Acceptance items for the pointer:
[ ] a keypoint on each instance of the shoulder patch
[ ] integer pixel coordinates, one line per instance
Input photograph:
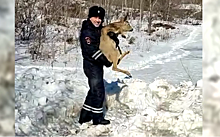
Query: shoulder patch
(88, 40)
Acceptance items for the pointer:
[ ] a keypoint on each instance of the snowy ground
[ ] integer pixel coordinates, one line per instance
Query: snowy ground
(154, 55)
(211, 65)
(48, 103)
(6, 68)
(48, 99)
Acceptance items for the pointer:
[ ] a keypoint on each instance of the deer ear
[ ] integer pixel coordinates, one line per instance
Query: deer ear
(121, 19)
(125, 18)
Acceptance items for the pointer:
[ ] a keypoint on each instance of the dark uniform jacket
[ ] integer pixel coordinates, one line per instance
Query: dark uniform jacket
(90, 41)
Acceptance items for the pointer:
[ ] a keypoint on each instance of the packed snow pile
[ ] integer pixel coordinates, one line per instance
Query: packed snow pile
(48, 102)
(157, 109)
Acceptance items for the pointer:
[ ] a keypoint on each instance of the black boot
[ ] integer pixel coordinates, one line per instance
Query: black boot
(98, 118)
(101, 122)
(85, 116)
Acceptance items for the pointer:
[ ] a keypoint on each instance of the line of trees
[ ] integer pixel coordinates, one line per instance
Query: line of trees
(161, 8)
(32, 16)
(27, 12)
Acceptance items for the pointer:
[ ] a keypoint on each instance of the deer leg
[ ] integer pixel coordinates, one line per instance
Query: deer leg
(122, 56)
(115, 68)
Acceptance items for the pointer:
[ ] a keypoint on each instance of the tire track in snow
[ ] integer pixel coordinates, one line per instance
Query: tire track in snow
(174, 54)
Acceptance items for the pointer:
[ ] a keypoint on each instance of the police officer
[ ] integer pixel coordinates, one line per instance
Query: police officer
(93, 62)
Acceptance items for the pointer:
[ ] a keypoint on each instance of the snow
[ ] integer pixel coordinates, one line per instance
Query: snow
(130, 114)
(189, 6)
(6, 68)
(49, 98)
(211, 63)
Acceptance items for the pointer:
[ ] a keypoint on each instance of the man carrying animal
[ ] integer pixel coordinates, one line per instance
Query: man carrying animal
(93, 62)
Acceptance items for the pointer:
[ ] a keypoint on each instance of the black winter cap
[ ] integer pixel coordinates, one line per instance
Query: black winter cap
(96, 11)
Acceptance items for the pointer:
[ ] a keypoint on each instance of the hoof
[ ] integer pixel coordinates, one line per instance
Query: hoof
(129, 76)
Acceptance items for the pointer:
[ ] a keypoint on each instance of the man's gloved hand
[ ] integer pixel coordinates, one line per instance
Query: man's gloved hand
(100, 58)
(108, 64)
(105, 61)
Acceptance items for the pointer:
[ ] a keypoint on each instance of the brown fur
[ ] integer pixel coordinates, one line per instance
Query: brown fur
(108, 46)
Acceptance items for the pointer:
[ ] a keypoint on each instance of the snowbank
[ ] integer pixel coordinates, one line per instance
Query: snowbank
(48, 102)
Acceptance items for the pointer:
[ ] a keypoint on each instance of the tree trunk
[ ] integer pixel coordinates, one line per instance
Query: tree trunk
(140, 20)
(149, 22)
(66, 32)
(141, 10)
(109, 11)
(168, 11)
(150, 19)
(132, 6)
(150, 16)
(110, 5)
(39, 36)
(122, 6)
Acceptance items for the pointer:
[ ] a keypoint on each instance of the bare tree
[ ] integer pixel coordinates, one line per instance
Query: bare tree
(126, 5)
(164, 7)
(132, 6)
(33, 16)
(141, 15)
(141, 10)
(24, 17)
(152, 4)
(122, 7)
